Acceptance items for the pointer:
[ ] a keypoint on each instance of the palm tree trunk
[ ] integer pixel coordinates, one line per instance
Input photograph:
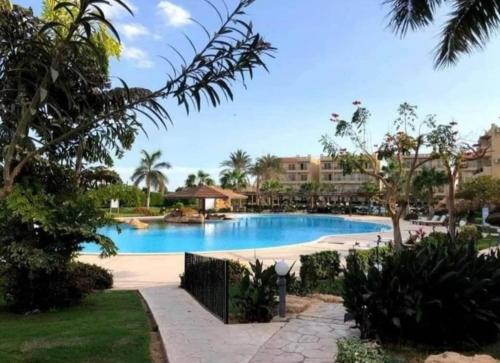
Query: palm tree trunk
(148, 193)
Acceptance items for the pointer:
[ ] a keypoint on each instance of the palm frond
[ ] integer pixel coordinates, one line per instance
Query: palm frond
(471, 25)
(411, 14)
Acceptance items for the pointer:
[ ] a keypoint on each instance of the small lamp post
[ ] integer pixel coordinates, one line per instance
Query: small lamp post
(281, 269)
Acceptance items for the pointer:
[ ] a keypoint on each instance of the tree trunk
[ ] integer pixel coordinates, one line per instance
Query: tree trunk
(452, 223)
(148, 193)
(398, 238)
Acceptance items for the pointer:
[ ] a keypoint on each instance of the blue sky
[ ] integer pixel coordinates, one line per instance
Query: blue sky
(329, 54)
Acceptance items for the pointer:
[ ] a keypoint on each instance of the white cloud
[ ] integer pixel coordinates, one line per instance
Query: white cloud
(114, 10)
(174, 14)
(138, 56)
(133, 30)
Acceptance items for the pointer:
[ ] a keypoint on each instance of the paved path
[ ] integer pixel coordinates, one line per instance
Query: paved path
(192, 335)
(309, 338)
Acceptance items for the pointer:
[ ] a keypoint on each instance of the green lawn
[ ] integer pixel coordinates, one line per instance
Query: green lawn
(487, 242)
(107, 327)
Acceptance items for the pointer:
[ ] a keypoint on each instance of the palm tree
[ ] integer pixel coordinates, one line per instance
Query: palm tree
(199, 179)
(238, 160)
(265, 168)
(425, 182)
(234, 179)
(271, 187)
(469, 25)
(150, 171)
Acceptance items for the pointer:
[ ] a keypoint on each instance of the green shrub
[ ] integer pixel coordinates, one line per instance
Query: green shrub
(469, 233)
(256, 298)
(156, 199)
(319, 266)
(370, 255)
(143, 211)
(92, 276)
(438, 293)
(128, 195)
(237, 271)
(27, 290)
(353, 350)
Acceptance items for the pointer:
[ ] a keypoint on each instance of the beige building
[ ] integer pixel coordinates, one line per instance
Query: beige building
(490, 163)
(440, 192)
(299, 170)
(331, 173)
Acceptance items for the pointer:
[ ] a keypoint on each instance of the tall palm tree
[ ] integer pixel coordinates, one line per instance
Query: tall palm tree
(200, 178)
(238, 160)
(469, 25)
(425, 184)
(234, 179)
(150, 171)
(266, 167)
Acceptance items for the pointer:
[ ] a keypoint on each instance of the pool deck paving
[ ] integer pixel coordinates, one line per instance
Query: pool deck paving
(193, 335)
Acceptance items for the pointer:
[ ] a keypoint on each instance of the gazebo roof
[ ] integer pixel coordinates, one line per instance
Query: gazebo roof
(205, 192)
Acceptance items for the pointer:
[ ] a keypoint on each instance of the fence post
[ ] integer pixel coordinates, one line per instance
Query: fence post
(226, 292)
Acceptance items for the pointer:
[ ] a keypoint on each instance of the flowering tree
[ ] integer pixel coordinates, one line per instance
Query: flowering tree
(453, 152)
(393, 163)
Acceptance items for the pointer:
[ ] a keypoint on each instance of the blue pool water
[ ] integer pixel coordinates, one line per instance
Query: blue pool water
(248, 232)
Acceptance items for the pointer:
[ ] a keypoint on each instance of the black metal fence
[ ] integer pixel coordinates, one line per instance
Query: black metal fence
(207, 280)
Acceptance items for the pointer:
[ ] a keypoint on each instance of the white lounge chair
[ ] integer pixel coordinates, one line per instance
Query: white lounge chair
(426, 220)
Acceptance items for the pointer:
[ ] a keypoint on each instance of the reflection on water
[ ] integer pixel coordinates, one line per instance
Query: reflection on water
(250, 231)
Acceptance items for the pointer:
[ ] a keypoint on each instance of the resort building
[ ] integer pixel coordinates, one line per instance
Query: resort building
(299, 170)
(440, 192)
(331, 173)
(490, 163)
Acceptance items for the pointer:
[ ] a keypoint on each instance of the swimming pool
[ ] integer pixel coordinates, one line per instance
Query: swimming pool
(246, 232)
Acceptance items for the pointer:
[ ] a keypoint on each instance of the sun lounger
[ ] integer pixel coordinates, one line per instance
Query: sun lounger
(423, 221)
(439, 222)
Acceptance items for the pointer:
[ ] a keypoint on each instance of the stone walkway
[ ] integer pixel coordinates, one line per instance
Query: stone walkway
(309, 338)
(191, 334)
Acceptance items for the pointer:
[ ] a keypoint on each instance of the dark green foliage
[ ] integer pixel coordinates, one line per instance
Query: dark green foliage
(41, 289)
(438, 293)
(256, 299)
(43, 223)
(92, 276)
(354, 350)
(411, 216)
(319, 266)
(494, 219)
(237, 271)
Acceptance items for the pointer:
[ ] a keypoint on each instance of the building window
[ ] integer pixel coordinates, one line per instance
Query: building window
(291, 177)
(291, 166)
(303, 177)
(327, 166)
(303, 166)
(329, 177)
